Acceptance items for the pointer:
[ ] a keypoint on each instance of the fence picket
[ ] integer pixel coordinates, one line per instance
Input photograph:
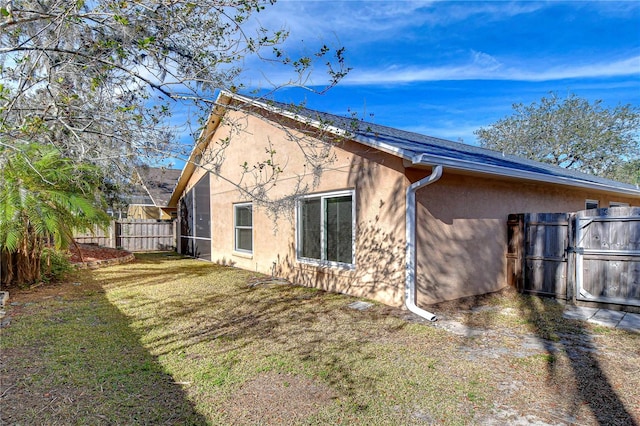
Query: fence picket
(590, 256)
(133, 235)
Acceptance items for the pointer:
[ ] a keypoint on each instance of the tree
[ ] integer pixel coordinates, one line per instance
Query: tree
(92, 85)
(41, 203)
(571, 133)
(100, 79)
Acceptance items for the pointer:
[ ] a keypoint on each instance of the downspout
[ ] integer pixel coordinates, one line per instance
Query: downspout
(410, 283)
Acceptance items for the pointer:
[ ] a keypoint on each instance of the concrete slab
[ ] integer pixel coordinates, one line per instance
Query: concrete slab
(630, 322)
(360, 305)
(609, 315)
(460, 329)
(579, 312)
(607, 318)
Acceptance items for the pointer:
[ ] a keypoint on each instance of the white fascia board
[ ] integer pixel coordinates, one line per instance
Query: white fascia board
(198, 147)
(398, 152)
(371, 142)
(429, 160)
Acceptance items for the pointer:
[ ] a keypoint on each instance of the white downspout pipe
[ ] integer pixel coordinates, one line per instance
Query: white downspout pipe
(410, 283)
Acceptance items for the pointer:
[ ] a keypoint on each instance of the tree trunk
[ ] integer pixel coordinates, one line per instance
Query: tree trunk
(22, 267)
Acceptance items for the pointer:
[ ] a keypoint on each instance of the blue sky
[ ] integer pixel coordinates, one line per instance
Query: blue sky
(448, 68)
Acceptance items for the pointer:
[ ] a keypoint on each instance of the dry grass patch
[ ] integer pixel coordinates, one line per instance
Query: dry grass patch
(169, 340)
(277, 398)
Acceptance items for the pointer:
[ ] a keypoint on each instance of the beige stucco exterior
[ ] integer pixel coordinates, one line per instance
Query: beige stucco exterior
(462, 232)
(138, 211)
(461, 218)
(377, 179)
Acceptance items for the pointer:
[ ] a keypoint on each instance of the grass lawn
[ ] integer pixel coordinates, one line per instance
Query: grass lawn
(168, 340)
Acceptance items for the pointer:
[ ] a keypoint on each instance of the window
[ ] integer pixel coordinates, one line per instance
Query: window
(591, 204)
(243, 225)
(325, 227)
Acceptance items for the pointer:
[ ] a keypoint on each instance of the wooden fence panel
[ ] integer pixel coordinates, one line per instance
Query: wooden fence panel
(515, 250)
(134, 235)
(611, 278)
(545, 248)
(607, 250)
(145, 235)
(590, 256)
(99, 236)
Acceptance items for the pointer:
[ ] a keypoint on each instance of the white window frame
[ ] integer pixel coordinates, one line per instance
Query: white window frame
(588, 201)
(236, 227)
(323, 262)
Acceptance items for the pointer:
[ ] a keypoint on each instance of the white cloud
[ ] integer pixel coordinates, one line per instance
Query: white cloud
(482, 66)
(364, 22)
(453, 131)
(398, 42)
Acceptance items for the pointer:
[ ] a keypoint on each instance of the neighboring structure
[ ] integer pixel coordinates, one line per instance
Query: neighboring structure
(151, 194)
(393, 216)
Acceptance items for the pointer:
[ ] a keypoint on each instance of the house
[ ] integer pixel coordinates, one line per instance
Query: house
(149, 199)
(386, 214)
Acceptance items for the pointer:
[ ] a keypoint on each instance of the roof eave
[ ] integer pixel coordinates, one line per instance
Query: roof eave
(417, 159)
(465, 165)
(224, 98)
(371, 142)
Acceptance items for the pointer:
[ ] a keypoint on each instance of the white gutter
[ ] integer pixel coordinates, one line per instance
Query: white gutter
(460, 164)
(453, 163)
(410, 283)
(372, 142)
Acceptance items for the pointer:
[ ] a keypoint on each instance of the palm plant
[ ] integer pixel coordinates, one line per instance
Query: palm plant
(44, 197)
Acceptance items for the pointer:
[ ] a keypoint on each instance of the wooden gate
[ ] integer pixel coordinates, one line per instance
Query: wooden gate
(537, 256)
(589, 256)
(134, 235)
(607, 252)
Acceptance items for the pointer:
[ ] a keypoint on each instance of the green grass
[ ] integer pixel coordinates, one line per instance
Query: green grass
(80, 362)
(169, 340)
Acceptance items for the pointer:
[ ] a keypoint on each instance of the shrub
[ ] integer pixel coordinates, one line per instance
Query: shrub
(55, 264)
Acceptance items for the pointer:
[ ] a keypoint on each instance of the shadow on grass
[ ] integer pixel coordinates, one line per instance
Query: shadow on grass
(570, 358)
(71, 357)
(227, 315)
(278, 317)
(593, 388)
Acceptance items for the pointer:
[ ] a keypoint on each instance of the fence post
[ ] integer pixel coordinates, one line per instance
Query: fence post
(112, 234)
(515, 250)
(571, 260)
(175, 234)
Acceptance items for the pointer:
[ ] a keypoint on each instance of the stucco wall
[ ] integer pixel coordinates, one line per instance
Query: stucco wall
(378, 181)
(137, 211)
(462, 232)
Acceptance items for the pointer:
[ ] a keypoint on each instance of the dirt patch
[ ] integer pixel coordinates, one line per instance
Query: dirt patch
(275, 399)
(93, 253)
(454, 307)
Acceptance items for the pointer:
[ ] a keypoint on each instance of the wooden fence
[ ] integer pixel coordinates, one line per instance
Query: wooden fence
(589, 256)
(134, 235)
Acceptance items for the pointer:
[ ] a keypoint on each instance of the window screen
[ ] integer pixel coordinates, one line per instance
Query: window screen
(195, 221)
(326, 228)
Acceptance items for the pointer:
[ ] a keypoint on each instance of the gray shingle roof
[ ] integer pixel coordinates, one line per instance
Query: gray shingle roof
(159, 183)
(411, 145)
